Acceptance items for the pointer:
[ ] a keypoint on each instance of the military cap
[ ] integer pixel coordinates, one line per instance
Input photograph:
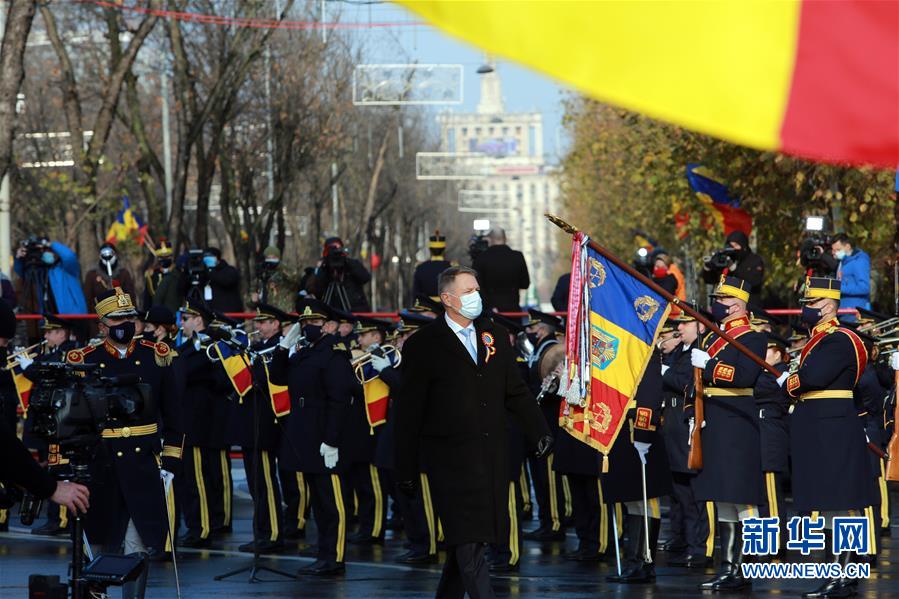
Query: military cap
(799, 333)
(310, 307)
(513, 325)
(410, 321)
(221, 318)
(817, 288)
(52, 322)
(424, 303)
(437, 241)
(870, 316)
(114, 303)
(365, 324)
(732, 287)
(158, 315)
(198, 308)
(760, 317)
(538, 317)
(270, 312)
(669, 326)
(164, 250)
(341, 317)
(775, 340)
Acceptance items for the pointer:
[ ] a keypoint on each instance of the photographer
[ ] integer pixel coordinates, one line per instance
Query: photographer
(273, 286)
(736, 260)
(51, 278)
(502, 272)
(222, 283)
(338, 279)
(854, 272)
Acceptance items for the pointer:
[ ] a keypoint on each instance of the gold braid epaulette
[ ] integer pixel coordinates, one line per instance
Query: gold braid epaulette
(162, 352)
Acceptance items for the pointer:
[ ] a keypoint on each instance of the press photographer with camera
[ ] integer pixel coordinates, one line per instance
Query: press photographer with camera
(50, 279)
(338, 279)
(738, 260)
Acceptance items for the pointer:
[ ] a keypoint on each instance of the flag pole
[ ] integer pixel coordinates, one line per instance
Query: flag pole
(665, 294)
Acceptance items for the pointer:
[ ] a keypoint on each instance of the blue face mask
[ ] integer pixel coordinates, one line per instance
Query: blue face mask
(471, 305)
(719, 311)
(48, 257)
(210, 261)
(840, 255)
(810, 316)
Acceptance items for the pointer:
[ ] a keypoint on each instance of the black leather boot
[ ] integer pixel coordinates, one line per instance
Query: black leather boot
(731, 576)
(836, 587)
(637, 570)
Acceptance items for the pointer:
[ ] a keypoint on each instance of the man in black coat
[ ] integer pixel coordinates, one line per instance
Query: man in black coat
(460, 382)
(222, 283)
(503, 272)
(744, 264)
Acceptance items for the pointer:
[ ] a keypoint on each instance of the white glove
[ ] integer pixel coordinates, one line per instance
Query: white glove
(292, 337)
(782, 378)
(642, 449)
(894, 361)
(665, 369)
(699, 358)
(25, 361)
(379, 363)
(330, 455)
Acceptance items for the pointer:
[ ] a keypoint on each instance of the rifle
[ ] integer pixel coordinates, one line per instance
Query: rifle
(892, 467)
(694, 457)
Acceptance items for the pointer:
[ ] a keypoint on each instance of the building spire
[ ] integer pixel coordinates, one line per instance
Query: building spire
(491, 91)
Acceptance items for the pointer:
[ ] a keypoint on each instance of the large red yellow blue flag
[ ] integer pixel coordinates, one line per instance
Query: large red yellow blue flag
(126, 225)
(813, 78)
(614, 320)
(279, 394)
(236, 367)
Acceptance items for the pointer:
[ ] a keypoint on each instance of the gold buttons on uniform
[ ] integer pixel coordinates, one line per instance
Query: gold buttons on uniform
(126, 432)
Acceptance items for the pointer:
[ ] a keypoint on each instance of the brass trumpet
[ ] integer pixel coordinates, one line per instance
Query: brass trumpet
(32, 351)
(363, 359)
(879, 326)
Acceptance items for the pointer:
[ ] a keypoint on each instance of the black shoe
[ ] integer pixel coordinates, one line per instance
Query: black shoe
(544, 535)
(51, 529)
(358, 538)
(4, 526)
(193, 541)
(412, 558)
(262, 546)
(833, 588)
(583, 555)
(294, 534)
(636, 573)
(322, 568)
(673, 546)
(678, 560)
(699, 562)
(731, 579)
(394, 523)
(158, 556)
(503, 568)
(886, 532)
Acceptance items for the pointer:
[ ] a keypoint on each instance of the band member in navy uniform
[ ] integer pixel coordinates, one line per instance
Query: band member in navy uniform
(320, 382)
(828, 450)
(128, 501)
(691, 522)
(159, 325)
(259, 436)
(640, 443)
(731, 446)
(548, 486)
(424, 280)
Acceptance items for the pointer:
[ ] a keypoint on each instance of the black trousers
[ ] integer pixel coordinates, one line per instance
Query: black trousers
(549, 491)
(591, 518)
(364, 480)
(465, 571)
(691, 520)
(419, 521)
(328, 492)
(508, 550)
(201, 489)
(266, 493)
(295, 490)
(221, 489)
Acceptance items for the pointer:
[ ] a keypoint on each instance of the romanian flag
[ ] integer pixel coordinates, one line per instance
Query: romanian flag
(126, 225)
(714, 194)
(279, 394)
(816, 79)
(377, 398)
(236, 367)
(609, 343)
(23, 386)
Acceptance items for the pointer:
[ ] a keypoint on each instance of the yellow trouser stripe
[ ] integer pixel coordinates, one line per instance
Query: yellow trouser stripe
(439, 530)
(619, 517)
(201, 489)
(355, 503)
(872, 535)
(269, 495)
(655, 510)
(771, 486)
(4, 514)
(226, 481)
(170, 512)
(603, 520)
(525, 491)
(379, 501)
(63, 516)
(566, 493)
(301, 509)
(341, 516)
(884, 498)
(553, 498)
(513, 526)
(429, 513)
(710, 540)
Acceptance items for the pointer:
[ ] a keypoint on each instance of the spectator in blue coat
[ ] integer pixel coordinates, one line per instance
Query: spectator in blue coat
(51, 278)
(854, 273)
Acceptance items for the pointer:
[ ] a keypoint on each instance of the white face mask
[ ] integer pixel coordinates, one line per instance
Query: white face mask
(471, 305)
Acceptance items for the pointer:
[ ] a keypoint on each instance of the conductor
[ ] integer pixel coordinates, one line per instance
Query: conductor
(462, 381)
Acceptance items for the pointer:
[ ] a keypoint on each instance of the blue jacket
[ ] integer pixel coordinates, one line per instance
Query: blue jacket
(65, 281)
(855, 281)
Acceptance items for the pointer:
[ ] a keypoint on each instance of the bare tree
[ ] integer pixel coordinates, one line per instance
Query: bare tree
(12, 72)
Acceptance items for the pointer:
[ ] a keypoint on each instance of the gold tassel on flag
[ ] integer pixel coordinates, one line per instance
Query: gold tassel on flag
(605, 463)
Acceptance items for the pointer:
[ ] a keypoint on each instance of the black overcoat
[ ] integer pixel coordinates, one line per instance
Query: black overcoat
(453, 413)
(677, 388)
(773, 404)
(242, 412)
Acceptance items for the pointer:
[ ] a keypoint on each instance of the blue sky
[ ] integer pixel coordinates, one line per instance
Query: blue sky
(523, 90)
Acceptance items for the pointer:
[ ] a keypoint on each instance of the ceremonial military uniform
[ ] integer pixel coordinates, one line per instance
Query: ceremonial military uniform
(424, 279)
(125, 480)
(319, 380)
(774, 434)
(870, 397)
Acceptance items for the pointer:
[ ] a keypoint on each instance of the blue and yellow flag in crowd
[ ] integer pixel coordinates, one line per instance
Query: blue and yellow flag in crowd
(127, 224)
(612, 330)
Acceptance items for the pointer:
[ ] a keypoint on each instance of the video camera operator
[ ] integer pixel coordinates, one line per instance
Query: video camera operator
(816, 258)
(502, 272)
(273, 287)
(338, 279)
(854, 272)
(222, 289)
(736, 259)
(51, 279)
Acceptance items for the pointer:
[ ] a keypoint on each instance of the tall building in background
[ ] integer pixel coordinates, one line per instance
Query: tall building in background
(519, 186)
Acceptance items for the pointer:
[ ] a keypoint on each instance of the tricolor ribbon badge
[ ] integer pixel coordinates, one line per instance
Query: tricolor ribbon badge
(487, 340)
